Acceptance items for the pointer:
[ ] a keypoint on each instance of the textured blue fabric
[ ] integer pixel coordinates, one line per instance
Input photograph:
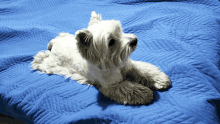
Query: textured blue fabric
(181, 37)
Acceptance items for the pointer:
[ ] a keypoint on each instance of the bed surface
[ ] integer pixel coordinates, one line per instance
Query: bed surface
(181, 37)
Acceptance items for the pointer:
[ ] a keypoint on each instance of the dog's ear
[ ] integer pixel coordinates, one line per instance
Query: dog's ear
(84, 37)
(95, 18)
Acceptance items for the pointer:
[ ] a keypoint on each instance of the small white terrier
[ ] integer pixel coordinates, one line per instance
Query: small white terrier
(100, 55)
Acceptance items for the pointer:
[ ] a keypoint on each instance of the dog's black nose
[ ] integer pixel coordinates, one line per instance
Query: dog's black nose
(134, 42)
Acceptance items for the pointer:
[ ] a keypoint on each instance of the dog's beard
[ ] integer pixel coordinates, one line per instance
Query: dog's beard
(117, 59)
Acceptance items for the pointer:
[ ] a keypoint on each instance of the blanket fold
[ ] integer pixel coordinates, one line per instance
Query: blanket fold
(181, 37)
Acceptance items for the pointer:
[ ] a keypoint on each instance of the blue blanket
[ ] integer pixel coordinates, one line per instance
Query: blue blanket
(181, 37)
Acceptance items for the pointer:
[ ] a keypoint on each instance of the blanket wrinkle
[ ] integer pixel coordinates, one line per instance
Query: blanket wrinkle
(181, 37)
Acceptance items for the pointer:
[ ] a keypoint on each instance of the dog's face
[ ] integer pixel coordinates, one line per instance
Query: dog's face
(104, 44)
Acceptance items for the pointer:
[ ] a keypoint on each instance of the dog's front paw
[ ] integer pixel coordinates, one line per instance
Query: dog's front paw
(128, 92)
(162, 81)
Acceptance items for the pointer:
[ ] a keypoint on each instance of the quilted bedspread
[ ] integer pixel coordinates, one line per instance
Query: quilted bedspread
(181, 37)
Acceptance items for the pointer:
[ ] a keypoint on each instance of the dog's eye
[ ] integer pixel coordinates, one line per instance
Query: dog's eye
(111, 42)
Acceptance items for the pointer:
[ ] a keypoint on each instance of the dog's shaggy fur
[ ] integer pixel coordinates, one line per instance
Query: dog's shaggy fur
(99, 55)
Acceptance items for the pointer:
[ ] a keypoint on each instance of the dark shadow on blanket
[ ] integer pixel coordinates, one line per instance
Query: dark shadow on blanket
(13, 110)
(219, 59)
(32, 71)
(93, 121)
(216, 104)
(104, 102)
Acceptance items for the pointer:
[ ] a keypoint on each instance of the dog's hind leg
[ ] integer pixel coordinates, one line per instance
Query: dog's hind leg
(39, 59)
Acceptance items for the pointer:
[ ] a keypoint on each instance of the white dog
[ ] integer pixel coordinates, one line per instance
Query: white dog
(100, 55)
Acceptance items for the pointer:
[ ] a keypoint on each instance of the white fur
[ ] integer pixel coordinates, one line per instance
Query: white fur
(65, 57)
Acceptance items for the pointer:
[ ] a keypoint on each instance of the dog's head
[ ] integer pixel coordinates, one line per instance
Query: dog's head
(104, 44)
